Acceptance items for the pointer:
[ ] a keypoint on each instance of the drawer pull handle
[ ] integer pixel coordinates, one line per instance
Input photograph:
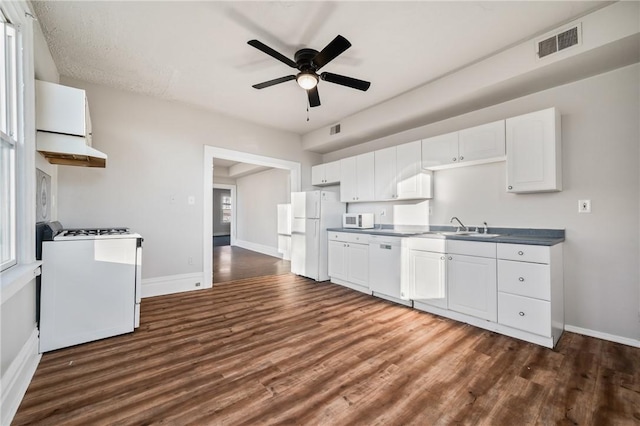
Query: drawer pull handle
(521, 279)
(521, 253)
(521, 313)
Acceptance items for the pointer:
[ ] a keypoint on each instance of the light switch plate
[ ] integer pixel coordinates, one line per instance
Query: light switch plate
(584, 206)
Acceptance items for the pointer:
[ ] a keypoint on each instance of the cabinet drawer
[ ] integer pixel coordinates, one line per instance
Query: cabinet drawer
(524, 253)
(525, 313)
(348, 237)
(524, 279)
(425, 244)
(471, 248)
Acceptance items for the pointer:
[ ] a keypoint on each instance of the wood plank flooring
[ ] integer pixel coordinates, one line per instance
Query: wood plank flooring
(234, 263)
(286, 350)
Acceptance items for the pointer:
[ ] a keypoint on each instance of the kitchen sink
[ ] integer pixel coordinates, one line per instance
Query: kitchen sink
(462, 234)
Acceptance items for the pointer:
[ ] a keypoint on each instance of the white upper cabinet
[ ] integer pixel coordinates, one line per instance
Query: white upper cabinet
(482, 142)
(440, 150)
(534, 162)
(357, 178)
(385, 173)
(476, 145)
(399, 175)
(326, 174)
(62, 109)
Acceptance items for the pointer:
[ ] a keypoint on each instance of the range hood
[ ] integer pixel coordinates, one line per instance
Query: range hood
(69, 150)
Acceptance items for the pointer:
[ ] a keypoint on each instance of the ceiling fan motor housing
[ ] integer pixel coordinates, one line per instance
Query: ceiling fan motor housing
(304, 59)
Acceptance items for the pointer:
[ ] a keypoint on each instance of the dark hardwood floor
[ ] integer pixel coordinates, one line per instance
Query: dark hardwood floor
(286, 350)
(234, 263)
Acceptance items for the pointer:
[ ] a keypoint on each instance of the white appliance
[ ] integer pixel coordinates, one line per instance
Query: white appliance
(284, 230)
(357, 220)
(385, 268)
(90, 286)
(312, 213)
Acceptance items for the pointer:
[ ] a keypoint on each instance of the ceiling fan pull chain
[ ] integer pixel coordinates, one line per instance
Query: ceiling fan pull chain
(307, 110)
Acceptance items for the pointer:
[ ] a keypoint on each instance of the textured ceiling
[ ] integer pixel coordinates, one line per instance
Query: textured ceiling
(197, 52)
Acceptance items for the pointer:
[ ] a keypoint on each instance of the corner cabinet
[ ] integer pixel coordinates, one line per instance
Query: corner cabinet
(399, 175)
(357, 178)
(534, 161)
(326, 174)
(475, 145)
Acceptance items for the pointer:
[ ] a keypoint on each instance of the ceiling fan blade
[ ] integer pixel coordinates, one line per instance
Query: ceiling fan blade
(331, 51)
(314, 97)
(269, 51)
(274, 82)
(354, 83)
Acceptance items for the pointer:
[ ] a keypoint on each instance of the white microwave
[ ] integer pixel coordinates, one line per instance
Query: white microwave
(357, 220)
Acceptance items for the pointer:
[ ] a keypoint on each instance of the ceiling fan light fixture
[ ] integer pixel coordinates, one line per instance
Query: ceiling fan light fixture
(307, 80)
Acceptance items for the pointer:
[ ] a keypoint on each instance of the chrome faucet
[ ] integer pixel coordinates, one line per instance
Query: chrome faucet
(461, 227)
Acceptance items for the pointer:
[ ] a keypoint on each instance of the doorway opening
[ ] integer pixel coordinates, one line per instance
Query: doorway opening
(210, 153)
(223, 222)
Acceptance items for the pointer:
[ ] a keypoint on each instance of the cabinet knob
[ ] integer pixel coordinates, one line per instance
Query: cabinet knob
(450, 258)
(510, 187)
(442, 258)
(521, 313)
(454, 159)
(521, 253)
(461, 158)
(521, 279)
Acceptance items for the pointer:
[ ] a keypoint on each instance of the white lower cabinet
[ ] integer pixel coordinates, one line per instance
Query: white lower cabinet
(348, 260)
(472, 286)
(512, 289)
(471, 278)
(530, 292)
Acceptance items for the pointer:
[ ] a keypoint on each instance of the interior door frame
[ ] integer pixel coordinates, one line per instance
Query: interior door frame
(211, 152)
(232, 228)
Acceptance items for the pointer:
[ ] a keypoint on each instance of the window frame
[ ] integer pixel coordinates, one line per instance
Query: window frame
(11, 93)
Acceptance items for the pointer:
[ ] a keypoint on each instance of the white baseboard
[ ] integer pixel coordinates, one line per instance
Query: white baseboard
(174, 284)
(604, 336)
(16, 379)
(269, 251)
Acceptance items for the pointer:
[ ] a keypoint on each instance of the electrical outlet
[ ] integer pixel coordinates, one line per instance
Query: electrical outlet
(197, 284)
(191, 200)
(584, 206)
(172, 199)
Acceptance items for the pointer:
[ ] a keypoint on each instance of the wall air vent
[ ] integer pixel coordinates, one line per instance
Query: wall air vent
(334, 130)
(559, 41)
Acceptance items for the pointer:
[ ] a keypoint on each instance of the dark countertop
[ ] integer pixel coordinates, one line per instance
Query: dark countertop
(530, 236)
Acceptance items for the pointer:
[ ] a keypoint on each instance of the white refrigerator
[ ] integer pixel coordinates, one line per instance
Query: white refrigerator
(312, 212)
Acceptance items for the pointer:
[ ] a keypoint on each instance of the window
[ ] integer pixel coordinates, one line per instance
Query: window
(226, 208)
(9, 75)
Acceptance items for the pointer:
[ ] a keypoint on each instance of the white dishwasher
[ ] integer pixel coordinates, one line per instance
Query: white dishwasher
(385, 268)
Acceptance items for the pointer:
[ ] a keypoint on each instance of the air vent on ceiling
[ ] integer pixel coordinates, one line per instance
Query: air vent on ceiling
(334, 130)
(559, 41)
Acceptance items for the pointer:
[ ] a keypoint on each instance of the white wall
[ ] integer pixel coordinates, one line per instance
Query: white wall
(258, 196)
(155, 151)
(601, 159)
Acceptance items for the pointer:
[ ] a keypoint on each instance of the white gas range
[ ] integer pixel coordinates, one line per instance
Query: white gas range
(90, 287)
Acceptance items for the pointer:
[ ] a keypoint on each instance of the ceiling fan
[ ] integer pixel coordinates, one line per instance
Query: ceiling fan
(308, 62)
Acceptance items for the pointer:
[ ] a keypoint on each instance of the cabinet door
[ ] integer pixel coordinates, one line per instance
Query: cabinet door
(412, 183)
(317, 174)
(440, 150)
(427, 277)
(472, 286)
(337, 260)
(348, 180)
(385, 174)
(482, 142)
(533, 152)
(365, 170)
(358, 263)
(332, 172)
